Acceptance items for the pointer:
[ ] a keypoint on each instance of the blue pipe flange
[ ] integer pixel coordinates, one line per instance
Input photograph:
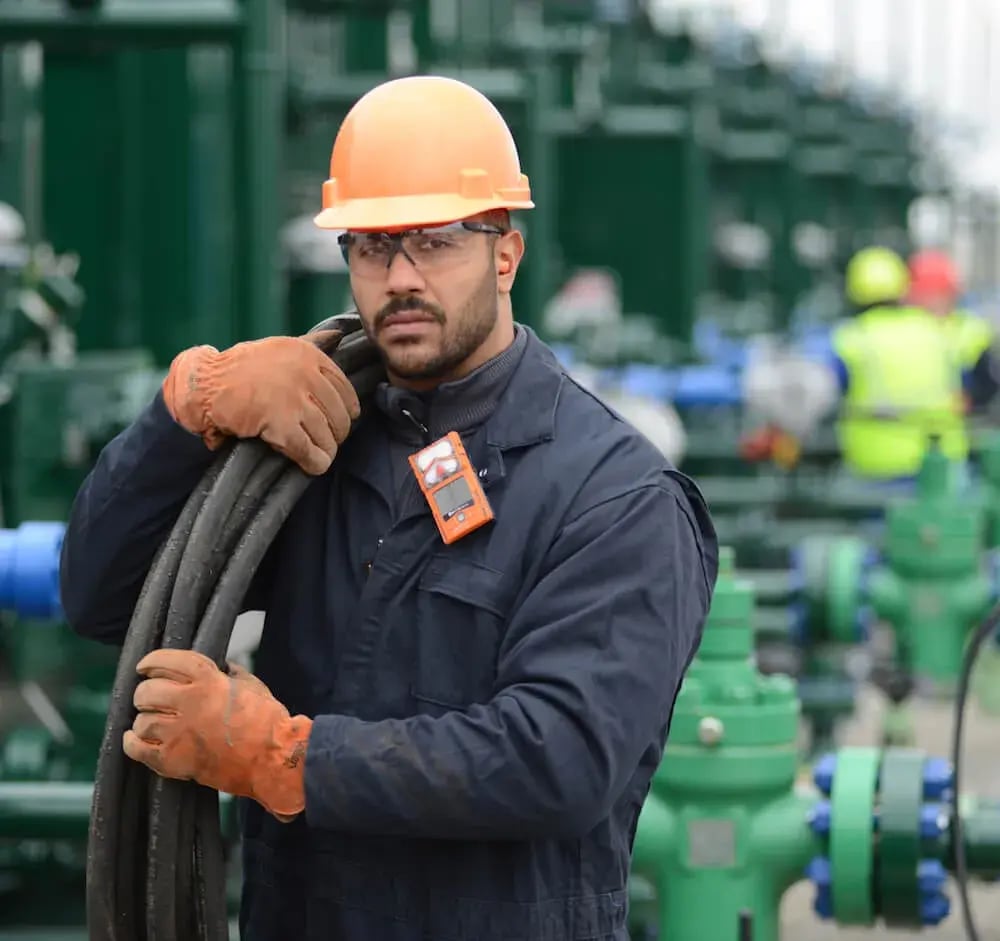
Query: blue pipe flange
(29, 569)
(798, 608)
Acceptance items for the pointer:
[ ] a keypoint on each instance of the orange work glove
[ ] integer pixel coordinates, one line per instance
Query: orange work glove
(223, 730)
(285, 390)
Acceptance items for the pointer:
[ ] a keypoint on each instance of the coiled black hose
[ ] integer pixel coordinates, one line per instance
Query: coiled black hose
(155, 862)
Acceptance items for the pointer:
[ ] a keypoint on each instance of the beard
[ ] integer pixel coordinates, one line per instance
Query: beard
(456, 338)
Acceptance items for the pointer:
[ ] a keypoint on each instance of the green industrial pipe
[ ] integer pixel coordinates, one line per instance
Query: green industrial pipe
(55, 810)
(981, 829)
(261, 74)
(126, 22)
(45, 810)
(541, 146)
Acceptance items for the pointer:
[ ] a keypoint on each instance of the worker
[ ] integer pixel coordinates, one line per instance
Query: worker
(900, 385)
(935, 286)
(442, 740)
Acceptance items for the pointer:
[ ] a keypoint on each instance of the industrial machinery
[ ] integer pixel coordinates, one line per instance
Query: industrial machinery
(727, 829)
(221, 110)
(935, 580)
(909, 590)
(44, 797)
(195, 133)
(58, 407)
(931, 577)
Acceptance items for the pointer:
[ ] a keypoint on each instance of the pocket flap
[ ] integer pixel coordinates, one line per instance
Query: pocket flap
(468, 581)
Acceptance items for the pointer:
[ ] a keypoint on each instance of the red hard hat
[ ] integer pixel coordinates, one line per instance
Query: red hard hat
(932, 273)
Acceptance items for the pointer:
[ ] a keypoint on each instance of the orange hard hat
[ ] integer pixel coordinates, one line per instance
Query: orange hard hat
(932, 273)
(423, 150)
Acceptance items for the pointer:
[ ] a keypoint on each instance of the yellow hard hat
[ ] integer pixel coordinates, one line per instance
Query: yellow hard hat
(875, 275)
(422, 150)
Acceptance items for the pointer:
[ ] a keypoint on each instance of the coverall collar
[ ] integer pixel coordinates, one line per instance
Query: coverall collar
(523, 416)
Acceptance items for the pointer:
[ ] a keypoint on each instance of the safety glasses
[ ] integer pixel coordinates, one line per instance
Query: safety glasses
(370, 254)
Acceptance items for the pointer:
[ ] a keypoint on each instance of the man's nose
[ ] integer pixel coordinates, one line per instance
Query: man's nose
(403, 277)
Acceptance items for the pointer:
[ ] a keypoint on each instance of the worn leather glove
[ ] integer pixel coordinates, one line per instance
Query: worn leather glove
(285, 390)
(223, 730)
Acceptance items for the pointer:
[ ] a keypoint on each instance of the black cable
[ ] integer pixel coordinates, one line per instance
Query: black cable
(236, 495)
(114, 860)
(213, 638)
(984, 632)
(169, 831)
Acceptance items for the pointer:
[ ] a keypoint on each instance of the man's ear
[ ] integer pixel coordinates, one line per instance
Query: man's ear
(507, 254)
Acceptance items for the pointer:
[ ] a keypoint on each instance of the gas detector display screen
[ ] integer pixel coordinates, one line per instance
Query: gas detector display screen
(453, 497)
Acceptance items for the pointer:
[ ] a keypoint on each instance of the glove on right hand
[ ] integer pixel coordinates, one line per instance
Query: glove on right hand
(284, 390)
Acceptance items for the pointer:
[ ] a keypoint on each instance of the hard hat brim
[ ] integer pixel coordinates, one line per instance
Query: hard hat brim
(409, 212)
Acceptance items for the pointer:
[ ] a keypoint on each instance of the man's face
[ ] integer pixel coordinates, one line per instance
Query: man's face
(429, 300)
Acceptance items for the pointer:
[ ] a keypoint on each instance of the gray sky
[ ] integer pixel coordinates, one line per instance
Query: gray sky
(942, 55)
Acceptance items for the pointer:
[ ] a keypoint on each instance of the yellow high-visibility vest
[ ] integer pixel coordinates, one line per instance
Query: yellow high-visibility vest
(904, 385)
(970, 336)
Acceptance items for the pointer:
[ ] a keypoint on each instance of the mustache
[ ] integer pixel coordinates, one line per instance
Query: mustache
(400, 304)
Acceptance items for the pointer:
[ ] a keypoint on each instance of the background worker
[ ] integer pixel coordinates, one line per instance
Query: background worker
(445, 740)
(935, 287)
(899, 383)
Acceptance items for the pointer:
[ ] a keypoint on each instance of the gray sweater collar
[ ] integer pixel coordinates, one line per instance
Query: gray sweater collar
(462, 405)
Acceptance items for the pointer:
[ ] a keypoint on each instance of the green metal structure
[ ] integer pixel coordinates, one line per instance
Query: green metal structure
(181, 145)
(723, 830)
(58, 407)
(930, 576)
(728, 828)
(936, 581)
(150, 133)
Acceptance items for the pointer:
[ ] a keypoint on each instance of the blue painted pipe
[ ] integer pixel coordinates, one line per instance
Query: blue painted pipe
(29, 569)
(689, 386)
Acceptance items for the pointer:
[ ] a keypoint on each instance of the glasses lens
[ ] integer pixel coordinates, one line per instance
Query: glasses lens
(371, 253)
(368, 250)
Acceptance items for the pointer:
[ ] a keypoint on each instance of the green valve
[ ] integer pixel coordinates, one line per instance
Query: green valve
(935, 581)
(851, 853)
(724, 829)
(900, 800)
(989, 460)
(727, 828)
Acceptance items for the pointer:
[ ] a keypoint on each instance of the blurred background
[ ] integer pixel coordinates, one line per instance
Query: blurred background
(751, 218)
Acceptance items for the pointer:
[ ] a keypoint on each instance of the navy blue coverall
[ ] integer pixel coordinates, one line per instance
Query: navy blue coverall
(488, 714)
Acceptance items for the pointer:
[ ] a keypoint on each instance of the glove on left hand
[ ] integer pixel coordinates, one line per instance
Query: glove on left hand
(223, 730)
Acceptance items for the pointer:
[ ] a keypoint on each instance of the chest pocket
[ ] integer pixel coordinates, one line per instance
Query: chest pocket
(462, 610)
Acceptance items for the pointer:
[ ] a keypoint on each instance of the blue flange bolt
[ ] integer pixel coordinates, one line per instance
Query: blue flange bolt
(886, 828)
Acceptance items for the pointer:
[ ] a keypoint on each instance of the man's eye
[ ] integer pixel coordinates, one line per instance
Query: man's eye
(433, 244)
(372, 249)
